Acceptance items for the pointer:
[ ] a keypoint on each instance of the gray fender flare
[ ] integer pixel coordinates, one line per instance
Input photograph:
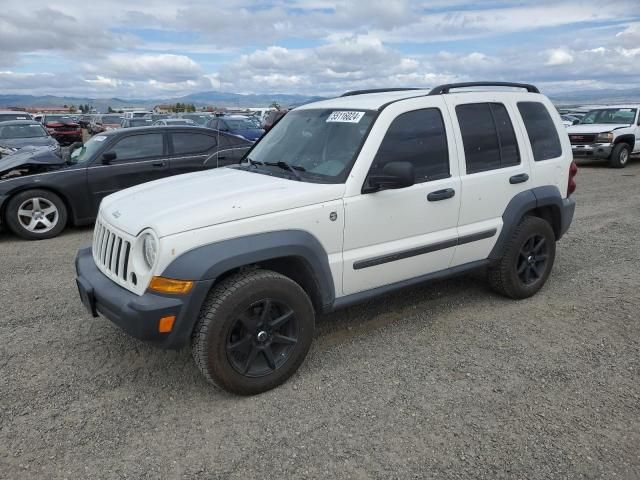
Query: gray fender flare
(524, 202)
(208, 262)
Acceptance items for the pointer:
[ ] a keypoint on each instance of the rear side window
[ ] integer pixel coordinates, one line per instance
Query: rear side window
(186, 143)
(139, 146)
(417, 137)
(488, 137)
(541, 130)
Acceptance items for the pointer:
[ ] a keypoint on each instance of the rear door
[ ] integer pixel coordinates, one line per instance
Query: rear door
(191, 150)
(493, 169)
(139, 158)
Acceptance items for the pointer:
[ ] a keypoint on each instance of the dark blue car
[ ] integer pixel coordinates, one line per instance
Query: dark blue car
(237, 125)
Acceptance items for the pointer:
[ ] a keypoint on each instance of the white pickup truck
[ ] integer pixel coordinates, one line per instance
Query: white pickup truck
(611, 133)
(343, 200)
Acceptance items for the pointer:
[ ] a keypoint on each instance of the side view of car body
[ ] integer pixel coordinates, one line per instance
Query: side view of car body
(40, 192)
(6, 115)
(103, 123)
(236, 125)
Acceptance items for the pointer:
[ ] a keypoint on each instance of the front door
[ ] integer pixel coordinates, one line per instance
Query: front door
(139, 158)
(399, 234)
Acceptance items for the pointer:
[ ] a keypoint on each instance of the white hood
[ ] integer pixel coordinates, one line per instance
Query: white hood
(186, 202)
(595, 127)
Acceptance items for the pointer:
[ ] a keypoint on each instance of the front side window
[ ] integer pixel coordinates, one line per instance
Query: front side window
(320, 144)
(186, 143)
(542, 133)
(417, 137)
(139, 147)
(488, 137)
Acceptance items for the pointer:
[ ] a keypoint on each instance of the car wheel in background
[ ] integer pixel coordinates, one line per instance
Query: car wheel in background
(620, 156)
(254, 331)
(36, 214)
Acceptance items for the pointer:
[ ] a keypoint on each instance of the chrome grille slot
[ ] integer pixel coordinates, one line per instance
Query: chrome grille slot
(111, 253)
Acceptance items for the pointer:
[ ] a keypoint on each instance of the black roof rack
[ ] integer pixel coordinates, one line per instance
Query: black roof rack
(376, 90)
(439, 90)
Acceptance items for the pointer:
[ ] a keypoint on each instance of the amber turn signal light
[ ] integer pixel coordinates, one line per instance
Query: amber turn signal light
(165, 325)
(169, 285)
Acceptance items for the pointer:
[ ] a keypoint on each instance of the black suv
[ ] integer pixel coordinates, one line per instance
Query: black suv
(40, 192)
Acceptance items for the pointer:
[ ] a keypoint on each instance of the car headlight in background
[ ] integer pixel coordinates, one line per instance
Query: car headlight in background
(149, 249)
(605, 137)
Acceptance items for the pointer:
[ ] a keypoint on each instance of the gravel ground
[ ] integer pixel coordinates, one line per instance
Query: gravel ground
(446, 380)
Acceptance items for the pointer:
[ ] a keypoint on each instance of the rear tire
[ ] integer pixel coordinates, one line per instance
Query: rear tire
(254, 331)
(527, 261)
(36, 214)
(619, 156)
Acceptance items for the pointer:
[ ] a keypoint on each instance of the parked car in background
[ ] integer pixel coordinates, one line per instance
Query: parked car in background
(136, 122)
(236, 125)
(198, 118)
(17, 134)
(174, 121)
(103, 123)
(272, 118)
(568, 120)
(40, 192)
(611, 133)
(85, 120)
(137, 114)
(158, 116)
(12, 115)
(63, 128)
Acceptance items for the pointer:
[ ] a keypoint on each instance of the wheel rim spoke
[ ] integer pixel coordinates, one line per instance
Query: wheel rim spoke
(277, 338)
(240, 344)
(250, 358)
(268, 355)
(36, 203)
(538, 246)
(25, 213)
(281, 320)
(266, 310)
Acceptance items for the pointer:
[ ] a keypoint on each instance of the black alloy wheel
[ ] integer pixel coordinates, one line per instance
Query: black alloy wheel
(262, 338)
(532, 260)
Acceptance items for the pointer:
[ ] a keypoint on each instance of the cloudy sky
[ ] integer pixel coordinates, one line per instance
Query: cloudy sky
(163, 48)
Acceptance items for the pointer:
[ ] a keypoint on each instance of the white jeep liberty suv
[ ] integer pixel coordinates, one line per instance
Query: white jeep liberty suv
(343, 200)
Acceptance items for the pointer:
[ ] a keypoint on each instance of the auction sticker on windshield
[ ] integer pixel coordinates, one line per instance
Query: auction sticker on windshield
(345, 117)
(100, 138)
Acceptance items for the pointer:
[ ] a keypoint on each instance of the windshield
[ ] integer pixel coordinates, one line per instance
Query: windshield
(610, 115)
(239, 123)
(322, 142)
(22, 131)
(4, 117)
(65, 119)
(86, 152)
(111, 119)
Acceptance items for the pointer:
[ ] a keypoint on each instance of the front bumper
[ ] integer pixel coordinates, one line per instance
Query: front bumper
(138, 315)
(593, 150)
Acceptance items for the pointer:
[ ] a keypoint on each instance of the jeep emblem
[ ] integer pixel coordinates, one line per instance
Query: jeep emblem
(116, 214)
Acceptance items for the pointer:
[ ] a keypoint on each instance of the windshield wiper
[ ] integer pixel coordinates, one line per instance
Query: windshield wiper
(294, 169)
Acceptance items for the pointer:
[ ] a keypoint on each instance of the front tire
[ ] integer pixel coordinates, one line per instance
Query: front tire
(36, 214)
(527, 260)
(254, 331)
(620, 156)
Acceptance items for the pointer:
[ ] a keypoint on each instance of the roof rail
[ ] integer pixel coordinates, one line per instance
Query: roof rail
(376, 90)
(441, 89)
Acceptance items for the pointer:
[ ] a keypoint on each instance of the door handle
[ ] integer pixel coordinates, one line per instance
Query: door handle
(521, 178)
(222, 157)
(441, 194)
(158, 164)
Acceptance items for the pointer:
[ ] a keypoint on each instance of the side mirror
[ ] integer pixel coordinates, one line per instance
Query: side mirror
(394, 175)
(108, 157)
(575, 122)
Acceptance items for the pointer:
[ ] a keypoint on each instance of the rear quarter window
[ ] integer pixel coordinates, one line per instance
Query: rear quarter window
(543, 136)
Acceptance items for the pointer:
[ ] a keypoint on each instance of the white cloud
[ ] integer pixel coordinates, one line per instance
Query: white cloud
(161, 67)
(559, 56)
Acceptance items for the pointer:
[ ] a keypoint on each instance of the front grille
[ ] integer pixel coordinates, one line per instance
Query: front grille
(581, 138)
(111, 252)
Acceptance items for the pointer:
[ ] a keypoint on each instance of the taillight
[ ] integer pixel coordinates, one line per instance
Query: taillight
(573, 170)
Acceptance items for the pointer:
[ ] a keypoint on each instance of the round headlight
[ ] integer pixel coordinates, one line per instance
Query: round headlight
(149, 249)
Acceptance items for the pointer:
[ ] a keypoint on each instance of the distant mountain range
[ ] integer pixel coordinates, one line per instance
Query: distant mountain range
(237, 100)
(201, 99)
